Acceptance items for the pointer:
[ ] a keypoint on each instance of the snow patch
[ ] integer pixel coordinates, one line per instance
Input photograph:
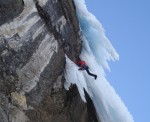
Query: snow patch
(74, 76)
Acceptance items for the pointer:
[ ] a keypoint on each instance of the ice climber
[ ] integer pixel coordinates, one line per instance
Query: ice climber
(83, 66)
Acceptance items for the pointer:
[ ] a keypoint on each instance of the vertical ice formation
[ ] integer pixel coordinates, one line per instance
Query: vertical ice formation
(96, 51)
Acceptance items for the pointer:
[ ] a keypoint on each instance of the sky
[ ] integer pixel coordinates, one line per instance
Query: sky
(127, 24)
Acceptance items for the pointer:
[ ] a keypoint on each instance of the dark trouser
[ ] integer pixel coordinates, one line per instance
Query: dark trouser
(87, 69)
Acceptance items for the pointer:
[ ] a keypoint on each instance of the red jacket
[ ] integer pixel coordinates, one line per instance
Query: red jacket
(81, 63)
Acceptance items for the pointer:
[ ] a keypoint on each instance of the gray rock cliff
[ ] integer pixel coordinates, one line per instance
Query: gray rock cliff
(35, 35)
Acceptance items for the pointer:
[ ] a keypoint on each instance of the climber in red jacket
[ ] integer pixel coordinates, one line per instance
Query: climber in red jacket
(83, 66)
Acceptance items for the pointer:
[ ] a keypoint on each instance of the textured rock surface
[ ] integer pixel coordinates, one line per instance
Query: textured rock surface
(9, 9)
(32, 49)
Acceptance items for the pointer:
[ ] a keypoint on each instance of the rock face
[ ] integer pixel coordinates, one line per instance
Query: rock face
(35, 35)
(9, 9)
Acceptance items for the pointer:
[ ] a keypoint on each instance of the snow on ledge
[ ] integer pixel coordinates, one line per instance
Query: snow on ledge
(74, 76)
